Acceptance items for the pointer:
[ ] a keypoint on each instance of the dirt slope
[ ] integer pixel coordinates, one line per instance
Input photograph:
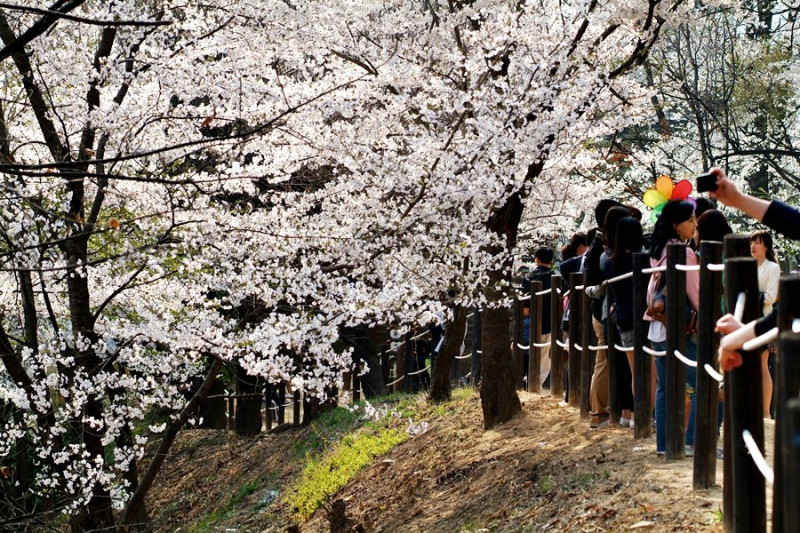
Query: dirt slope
(542, 471)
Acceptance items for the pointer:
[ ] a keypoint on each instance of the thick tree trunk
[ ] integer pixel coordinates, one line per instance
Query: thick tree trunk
(248, 403)
(214, 408)
(454, 337)
(499, 399)
(367, 351)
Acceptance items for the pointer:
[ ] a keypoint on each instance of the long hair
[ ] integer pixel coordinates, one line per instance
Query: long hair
(674, 212)
(613, 216)
(766, 239)
(713, 226)
(628, 240)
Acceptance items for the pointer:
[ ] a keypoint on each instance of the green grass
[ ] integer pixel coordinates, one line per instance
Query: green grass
(326, 430)
(323, 477)
(217, 516)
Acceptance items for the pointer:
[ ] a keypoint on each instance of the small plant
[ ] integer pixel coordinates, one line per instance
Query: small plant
(323, 477)
(545, 484)
(718, 518)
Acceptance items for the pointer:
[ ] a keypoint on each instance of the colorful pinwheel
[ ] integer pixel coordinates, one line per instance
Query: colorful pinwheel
(665, 191)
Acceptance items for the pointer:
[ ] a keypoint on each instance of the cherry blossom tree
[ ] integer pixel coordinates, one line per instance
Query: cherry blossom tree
(188, 184)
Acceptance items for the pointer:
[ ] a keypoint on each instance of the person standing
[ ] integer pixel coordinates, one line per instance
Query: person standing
(543, 258)
(676, 224)
(769, 274)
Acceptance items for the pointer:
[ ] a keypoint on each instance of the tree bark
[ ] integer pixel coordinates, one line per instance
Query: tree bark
(248, 404)
(454, 337)
(499, 399)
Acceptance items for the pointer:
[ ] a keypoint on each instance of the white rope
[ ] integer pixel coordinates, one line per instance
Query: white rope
(738, 311)
(716, 267)
(565, 294)
(578, 347)
(685, 360)
(521, 347)
(420, 335)
(653, 352)
(598, 348)
(545, 291)
(761, 340)
(478, 351)
(688, 268)
(464, 356)
(579, 287)
(540, 344)
(619, 278)
(523, 297)
(758, 459)
(590, 288)
(622, 348)
(796, 325)
(563, 344)
(398, 380)
(653, 270)
(713, 373)
(419, 371)
(559, 291)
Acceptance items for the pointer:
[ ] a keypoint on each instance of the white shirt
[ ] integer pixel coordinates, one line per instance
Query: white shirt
(769, 274)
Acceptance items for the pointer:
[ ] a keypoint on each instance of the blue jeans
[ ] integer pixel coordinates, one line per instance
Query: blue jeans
(661, 393)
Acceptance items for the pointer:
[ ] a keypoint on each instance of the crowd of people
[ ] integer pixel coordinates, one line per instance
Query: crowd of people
(606, 251)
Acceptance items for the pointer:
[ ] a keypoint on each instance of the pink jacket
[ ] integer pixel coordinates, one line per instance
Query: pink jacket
(692, 278)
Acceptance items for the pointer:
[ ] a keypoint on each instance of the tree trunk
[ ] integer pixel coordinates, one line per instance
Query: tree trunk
(248, 403)
(367, 350)
(213, 408)
(499, 399)
(453, 339)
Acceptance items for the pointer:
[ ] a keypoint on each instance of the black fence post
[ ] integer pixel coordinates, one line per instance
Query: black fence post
(707, 392)
(268, 401)
(676, 340)
(475, 375)
(743, 392)
(296, 407)
(282, 403)
(642, 368)
(787, 385)
(587, 355)
(556, 354)
(735, 245)
(517, 341)
(791, 455)
(575, 321)
(408, 361)
(535, 354)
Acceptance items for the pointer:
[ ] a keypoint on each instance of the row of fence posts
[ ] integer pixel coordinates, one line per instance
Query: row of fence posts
(744, 489)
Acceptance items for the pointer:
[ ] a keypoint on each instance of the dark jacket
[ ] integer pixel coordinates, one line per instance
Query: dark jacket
(593, 274)
(784, 219)
(543, 274)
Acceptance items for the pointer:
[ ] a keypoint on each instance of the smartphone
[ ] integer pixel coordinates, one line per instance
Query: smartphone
(706, 182)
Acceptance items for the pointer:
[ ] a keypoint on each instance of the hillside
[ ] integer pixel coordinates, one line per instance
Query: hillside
(543, 470)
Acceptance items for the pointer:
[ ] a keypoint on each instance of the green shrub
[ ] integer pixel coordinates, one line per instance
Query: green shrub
(324, 476)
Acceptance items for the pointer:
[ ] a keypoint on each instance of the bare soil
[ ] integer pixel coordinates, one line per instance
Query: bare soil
(544, 470)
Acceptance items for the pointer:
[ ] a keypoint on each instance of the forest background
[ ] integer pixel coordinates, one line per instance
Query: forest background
(196, 192)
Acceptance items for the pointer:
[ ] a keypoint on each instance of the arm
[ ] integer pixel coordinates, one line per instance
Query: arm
(728, 194)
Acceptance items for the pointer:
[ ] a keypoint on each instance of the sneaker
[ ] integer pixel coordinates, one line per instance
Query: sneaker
(689, 450)
(625, 422)
(599, 425)
(660, 452)
(632, 424)
(720, 454)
